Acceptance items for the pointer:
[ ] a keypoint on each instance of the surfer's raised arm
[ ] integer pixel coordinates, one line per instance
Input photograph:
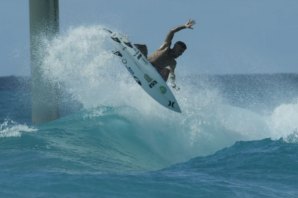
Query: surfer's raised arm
(170, 35)
(164, 59)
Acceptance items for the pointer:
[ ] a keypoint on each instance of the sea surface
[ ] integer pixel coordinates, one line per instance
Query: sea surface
(237, 135)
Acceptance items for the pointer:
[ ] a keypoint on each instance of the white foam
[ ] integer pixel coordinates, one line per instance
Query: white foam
(283, 121)
(81, 60)
(10, 128)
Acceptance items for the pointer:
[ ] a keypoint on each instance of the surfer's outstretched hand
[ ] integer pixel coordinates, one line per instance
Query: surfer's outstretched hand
(190, 23)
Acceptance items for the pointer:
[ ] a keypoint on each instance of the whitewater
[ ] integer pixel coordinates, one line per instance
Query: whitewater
(236, 136)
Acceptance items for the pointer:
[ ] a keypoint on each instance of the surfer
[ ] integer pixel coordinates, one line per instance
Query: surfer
(164, 58)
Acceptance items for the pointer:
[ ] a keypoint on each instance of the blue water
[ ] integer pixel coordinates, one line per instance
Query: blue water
(237, 135)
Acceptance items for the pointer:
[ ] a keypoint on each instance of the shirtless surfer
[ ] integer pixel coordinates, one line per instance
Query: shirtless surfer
(164, 59)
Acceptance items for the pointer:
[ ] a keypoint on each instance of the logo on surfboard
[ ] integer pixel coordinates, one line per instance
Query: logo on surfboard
(162, 89)
(137, 80)
(171, 104)
(151, 82)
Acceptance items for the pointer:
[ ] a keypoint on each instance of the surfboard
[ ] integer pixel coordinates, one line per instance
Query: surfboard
(143, 71)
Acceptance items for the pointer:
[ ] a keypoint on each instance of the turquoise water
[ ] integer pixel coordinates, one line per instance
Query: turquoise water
(121, 151)
(236, 136)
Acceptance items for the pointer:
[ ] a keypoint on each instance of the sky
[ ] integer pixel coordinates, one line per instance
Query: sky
(230, 37)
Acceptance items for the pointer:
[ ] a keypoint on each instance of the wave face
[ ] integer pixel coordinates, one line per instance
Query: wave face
(236, 135)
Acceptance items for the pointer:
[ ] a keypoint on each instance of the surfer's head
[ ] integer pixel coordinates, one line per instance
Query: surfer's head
(179, 48)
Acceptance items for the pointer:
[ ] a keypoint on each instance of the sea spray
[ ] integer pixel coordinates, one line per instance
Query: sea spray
(82, 62)
(283, 121)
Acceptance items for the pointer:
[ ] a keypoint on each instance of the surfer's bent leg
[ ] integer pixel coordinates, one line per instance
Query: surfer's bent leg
(143, 49)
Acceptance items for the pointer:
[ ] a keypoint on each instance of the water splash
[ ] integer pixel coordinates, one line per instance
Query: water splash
(10, 128)
(284, 121)
(81, 62)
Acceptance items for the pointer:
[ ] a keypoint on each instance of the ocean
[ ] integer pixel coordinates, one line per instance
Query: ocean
(237, 134)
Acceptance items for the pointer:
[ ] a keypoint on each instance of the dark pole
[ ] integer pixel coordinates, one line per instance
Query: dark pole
(44, 22)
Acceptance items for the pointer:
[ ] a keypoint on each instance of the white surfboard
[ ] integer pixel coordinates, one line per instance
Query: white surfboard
(143, 72)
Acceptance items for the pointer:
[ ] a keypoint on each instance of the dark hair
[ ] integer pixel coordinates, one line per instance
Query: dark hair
(182, 44)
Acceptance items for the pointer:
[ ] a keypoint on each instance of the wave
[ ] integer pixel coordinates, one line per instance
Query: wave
(257, 155)
(121, 139)
(121, 126)
(247, 166)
